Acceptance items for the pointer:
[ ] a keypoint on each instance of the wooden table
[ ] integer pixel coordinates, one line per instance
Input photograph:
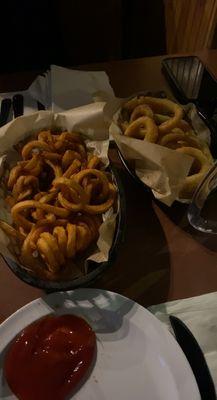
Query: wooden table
(162, 257)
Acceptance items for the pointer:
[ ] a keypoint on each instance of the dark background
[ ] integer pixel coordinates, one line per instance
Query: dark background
(35, 34)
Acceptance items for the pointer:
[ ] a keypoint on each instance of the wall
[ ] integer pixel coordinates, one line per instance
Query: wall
(190, 24)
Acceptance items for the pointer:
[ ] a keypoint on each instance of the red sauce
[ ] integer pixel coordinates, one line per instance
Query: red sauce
(49, 358)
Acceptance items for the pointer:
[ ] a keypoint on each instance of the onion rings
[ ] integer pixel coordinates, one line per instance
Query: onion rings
(158, 106)
(160, 118)
(203, 165)
(143, 110)
(165, 106)
(160, 121)
(133, 103)
(143, 127)
(179, 139)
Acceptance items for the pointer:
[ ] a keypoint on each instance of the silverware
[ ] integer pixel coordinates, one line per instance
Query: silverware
(195, 357)
(5, 111)
(40, 106)
(17, 103)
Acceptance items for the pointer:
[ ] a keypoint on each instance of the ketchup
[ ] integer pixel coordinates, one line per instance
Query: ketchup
(49, 358)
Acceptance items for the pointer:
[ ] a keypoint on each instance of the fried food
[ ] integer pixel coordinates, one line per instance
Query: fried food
(133, 103)
(172, 110)
(24, 187)
(70, 189)
(62, 220)
(140, 111)
(10, 231)
(143, 128)
(198, 170)
(68, 157)
(31, 167)
(162, 121)
(178, 138)
(36, 145)
(21, 220)
(165, 106)
(160, 118)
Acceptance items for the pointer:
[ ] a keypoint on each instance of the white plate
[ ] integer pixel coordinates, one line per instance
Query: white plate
(137, 358)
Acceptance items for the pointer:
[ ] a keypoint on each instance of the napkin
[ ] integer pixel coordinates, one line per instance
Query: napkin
(72, 88)
(40, 90)
(61, 89)
(200, 316)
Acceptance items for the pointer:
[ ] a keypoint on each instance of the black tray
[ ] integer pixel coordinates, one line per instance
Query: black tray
(96, 268)
(198, 94)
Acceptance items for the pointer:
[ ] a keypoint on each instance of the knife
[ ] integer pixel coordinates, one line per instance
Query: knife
(17, 103)
(5, 111)
(195, 357)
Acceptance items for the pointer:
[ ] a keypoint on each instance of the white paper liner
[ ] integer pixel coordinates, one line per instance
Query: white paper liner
(160, 168)
(89, 121)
